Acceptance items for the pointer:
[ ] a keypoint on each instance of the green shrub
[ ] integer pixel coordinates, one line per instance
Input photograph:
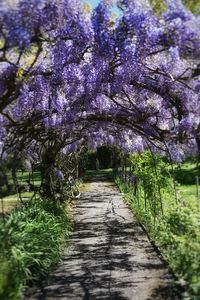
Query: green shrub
(175, 228)
(32, 238)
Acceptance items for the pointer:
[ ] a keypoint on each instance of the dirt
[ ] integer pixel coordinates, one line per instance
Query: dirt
(7, 205)
(109, 257)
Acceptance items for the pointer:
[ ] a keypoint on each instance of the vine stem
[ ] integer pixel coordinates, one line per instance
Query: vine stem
(172, 169)
(156, 173)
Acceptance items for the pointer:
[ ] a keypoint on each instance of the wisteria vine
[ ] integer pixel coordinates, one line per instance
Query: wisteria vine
(70, 75)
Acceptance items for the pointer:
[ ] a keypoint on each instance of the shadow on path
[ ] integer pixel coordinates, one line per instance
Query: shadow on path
(110, 256)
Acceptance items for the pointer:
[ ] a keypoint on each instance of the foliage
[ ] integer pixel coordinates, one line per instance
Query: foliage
(109, 156)
(150, 170)
(160, 5)
(32, 238)
(71, 77)
(108, 173)
(193, 5)
(90, 160)
(87, 79)
(186, 173)
(104, 155)
(176, 232)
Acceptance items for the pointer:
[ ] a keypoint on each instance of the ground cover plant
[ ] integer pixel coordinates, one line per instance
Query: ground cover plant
(172, 221)
(32, 238)
(72, 67)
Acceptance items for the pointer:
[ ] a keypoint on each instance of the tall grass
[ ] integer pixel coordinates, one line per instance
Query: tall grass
(32, 238)
(176, 233)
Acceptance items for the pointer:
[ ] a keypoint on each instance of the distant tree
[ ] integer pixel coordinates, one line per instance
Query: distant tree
(160, 5)
(104, 155)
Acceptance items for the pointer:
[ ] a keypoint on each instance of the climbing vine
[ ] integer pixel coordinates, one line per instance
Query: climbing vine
(152, 181)
(172, 225)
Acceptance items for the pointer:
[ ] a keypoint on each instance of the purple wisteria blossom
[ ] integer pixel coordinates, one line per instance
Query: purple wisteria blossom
(69, 75)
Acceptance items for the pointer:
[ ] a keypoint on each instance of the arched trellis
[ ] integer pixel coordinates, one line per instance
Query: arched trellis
(85, 70)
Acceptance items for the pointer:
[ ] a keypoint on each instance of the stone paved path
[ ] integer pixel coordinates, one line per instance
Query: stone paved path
(110, 256)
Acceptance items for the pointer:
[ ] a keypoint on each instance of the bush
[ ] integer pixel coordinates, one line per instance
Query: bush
(175, 228)
(32, 239)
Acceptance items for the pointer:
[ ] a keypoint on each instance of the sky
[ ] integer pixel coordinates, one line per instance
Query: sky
(94, 2)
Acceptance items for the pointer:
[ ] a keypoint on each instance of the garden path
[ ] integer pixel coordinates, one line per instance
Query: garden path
(109, 257)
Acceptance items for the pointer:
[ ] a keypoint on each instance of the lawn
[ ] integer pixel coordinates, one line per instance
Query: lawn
(23, 177)
(10, 199)
(185, 175)
(107, 173)
(175, 231)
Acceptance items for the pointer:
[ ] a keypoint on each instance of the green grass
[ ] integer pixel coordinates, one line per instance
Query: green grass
(14, 197)
(108, 173)
(186, 173)
(31, 242)
(22, 177)
(177, 232)
(11, 199)
(187, 195)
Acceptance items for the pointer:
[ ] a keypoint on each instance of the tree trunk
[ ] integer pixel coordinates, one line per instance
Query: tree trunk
(198, 154)
(4, 177)
(47, 163)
